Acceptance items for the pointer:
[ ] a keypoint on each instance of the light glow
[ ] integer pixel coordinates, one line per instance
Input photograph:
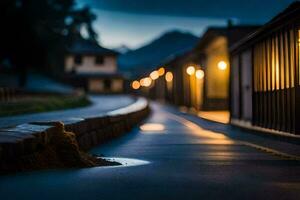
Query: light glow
(169, 77)
(190, 70)
(142, 82)
(199, 74)
(299, 53)
(135, 85)
(152, 127)
(154, 75)
(147, 82)
(222, 65)
(161, 71)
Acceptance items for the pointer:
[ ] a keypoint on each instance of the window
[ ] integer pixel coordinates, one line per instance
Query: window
(99, 60)
(107, 84)
(78, 59)
(274, 62)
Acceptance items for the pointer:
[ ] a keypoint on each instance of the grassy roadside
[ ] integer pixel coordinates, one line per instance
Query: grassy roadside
(36, 104)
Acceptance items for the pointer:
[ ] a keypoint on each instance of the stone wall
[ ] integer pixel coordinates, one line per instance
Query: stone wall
(43, 145)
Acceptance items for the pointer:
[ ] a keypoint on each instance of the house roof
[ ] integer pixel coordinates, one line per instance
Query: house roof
(195, 55)
(96, 75)
(83, 46)
(233, 34)
(288, 16)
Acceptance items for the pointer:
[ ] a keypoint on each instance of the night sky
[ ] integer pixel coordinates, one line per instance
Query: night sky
(136, 22)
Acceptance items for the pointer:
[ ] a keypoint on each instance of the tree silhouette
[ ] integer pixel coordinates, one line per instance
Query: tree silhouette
(34, 31)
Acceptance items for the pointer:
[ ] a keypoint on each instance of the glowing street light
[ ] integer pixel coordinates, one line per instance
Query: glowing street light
(199, 74)
(135, 85)
(161, 71)
(222, 65)
(169, 77)
(147, 82)
(154, 75)
(142, 81)
(190, 70)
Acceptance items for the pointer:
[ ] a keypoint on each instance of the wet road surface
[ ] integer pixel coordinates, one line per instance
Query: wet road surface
(183, 161)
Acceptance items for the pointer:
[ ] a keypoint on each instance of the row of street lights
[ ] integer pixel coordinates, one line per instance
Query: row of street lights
(147, 81)
(190, 70)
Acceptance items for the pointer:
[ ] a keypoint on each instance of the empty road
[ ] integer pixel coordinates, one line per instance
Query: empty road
(180, 159)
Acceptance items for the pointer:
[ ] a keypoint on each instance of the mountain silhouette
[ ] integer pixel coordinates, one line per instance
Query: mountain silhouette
(142, 60)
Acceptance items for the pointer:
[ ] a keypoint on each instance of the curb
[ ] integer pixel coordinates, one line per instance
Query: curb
(255, 130)
(24, 141)
(274, 134)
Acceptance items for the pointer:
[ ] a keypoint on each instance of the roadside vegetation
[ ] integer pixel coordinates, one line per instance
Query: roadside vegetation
(36, 104)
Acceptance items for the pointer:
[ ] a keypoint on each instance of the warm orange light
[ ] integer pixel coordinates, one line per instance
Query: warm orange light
(169, 77)
(190, 70)
(222, 65)
(161, 71)
(154, 75)
(147, 82)
(299, 37)
(199, 74)
(135, 85)
(299, 52)
(152, 127)
(142, 82)
(218, 116)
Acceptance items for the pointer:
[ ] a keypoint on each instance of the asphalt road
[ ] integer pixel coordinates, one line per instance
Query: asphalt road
(186, 161)
(100, 105)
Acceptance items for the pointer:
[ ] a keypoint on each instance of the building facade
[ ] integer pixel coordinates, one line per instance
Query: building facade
(214, 59)
(265, 86)
(201, 76)
(92, 67)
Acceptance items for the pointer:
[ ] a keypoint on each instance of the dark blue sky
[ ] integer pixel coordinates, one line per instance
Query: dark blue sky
(135, 22)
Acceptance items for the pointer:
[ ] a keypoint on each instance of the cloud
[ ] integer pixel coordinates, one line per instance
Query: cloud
(255, 10)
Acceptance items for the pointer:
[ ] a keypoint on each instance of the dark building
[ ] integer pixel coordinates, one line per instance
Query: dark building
(201, 76)
(214, 50)
(265, 73)
(92, 67)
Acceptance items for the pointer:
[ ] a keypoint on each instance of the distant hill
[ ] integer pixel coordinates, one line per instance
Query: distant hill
(146, 58)
(122, 49)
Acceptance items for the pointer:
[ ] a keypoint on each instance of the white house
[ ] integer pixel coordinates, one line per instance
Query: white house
(92, 67)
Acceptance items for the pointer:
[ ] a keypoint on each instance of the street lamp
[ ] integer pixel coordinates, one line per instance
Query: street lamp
(154, 75)
(169, 77)
(161, 71)
(190, 70)
(222, 65)
(142, 81)
(135, 85)
(199, 74)
(147, 81)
